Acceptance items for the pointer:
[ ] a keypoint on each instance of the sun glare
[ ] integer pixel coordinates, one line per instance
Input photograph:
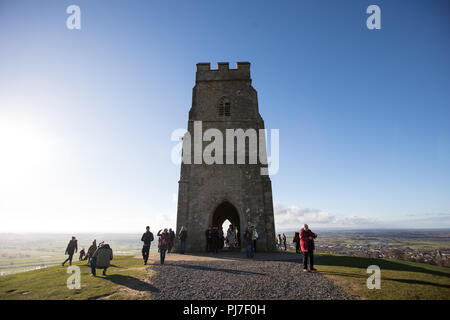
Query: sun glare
(24, 150)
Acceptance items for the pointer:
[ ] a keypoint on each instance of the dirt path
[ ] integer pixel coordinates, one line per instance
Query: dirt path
(232, 276)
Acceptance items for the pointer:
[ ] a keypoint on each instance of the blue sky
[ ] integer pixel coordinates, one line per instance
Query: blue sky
(86, 115)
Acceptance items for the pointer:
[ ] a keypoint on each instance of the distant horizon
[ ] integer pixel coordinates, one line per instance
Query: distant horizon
(138, 232)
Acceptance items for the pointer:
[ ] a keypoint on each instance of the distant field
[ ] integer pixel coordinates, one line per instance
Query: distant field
(24, 252)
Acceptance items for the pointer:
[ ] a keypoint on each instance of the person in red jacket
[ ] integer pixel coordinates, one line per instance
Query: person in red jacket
(307, 245)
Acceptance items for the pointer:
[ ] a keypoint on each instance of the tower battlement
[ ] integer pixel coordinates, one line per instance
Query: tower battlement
(223, 72)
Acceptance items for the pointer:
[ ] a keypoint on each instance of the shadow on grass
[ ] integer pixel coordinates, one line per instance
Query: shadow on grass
(358, 262)
(408, 281)
(205, 268)
(259, 256)
(132, 283)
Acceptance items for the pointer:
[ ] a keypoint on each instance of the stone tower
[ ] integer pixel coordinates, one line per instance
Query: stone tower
(210, 194)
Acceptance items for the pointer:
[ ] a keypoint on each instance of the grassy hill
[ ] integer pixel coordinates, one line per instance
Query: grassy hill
(399, 279)
(128, 278)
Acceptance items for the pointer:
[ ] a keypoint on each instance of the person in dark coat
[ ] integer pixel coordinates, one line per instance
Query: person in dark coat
(147, 238)
(296, 240)
(182, 236)
(248, 236)
(208, 236)
(101, 259)
(171, 240)
(284, 242)
(215, 239)
(72, 248)
(83, 255)
(307, 245)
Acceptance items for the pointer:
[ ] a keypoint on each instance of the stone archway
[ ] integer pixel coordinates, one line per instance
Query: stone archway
(227, 211)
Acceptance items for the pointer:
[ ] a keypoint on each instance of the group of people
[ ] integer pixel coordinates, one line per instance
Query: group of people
(166, 241)
(98, 257)
(216, 239)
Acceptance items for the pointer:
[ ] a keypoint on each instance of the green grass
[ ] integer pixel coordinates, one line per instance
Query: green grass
(400, 280)
(124, 280)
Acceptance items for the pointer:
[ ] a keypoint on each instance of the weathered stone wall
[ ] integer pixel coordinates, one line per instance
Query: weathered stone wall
(202, 187)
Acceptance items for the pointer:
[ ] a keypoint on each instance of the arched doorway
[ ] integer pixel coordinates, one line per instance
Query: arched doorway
(226, 211)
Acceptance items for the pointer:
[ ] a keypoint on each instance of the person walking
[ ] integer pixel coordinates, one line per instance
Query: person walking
(248, 236)
(101, 259)
(147, 238)
(284, 242)
(182, 236)
(72, 248)
(307, 246)
(163, 244)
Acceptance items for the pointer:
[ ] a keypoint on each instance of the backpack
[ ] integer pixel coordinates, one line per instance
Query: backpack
(162, 244)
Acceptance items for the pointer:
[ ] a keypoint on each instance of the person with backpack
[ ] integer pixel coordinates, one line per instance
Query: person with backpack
(72, 248)
(307, 245)
(101, 259)
(182, 236)
(163, 244)
(147, 238)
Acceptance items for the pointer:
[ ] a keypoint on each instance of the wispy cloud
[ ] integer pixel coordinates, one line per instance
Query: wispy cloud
(292, 217)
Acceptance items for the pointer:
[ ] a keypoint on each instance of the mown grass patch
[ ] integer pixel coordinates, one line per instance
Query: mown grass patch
(125, 279)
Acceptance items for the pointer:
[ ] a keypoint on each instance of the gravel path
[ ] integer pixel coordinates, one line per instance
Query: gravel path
(232, 276)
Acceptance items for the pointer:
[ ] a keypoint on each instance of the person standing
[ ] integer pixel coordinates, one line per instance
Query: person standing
(163, 244)
(182, 236)
(279, 241)
(248, 236)
(231, 237)
(284, 242)
(307, 245)
(254, 237)
(147, 238)
(215, 239)
(296, 240)
(171, 240)
(208, 236)
(91, 251)
(101, 259)
(72, 248)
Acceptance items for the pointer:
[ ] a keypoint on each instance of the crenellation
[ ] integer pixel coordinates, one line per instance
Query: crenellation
(223, 72)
